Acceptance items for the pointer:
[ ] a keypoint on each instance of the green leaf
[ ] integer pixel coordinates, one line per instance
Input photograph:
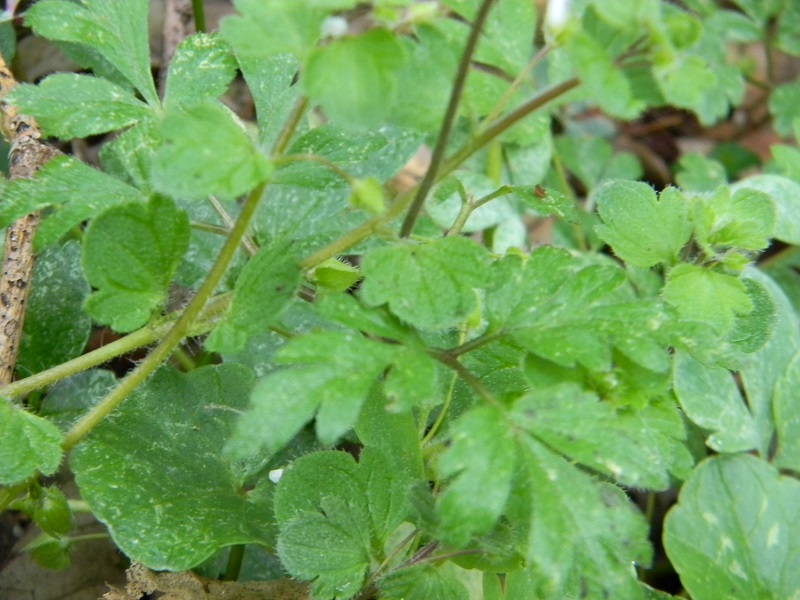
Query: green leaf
(206, 151)
(116, 31)
(49, 552)
(51, 512)
(734, 532)
(70, 398)
(710, 397)
(744, 220)
(129, 156)
(330, 548)
(440, 276)
(638, 448)
(700, 174)
(201, 69)
(267, 28)
(78, 191)
(335, 275)
(413, 381)
(353, 78)
(548, 202)
(479, 464)
(387, 493)
(754, 330)
(421, 582)
(349, 311)
(56, 327)
(700, 294)
(787, 417)
(764, 368)
(157, 460)
(130, 254)
(333, 375)
(263, 290)
(316, 476)
(28, 445)
(324, 521)
(70, 106)
(584, 535)
(785, 195)
(783, 105)
(630, 212)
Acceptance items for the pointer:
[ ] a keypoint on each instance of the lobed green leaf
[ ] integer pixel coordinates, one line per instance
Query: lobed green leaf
(28, 445)
(201, 69)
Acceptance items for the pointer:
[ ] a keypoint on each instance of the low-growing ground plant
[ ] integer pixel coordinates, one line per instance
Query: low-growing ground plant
(407, 391)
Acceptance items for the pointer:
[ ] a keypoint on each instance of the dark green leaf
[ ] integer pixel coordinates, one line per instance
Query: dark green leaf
(130, 253)
(28, 445)
(629, 211)
(480, 464)
(78, 191)
(440, 276)
(157, 460)
(755, 329)
(264, 289)
(70, 398)
(74, 106)
(56, 328)
(206, 151)
(116, 31)
(734, 532)
(201, 69)
(387, 493)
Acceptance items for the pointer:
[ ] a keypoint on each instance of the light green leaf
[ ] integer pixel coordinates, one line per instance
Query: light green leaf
(28, 445)
(202, 69)
(584, 535)
(479, 464)
(787, 416)
(440, 276)
(69, 106)
(412, 382)
(508, 36)
(157, 460)
(421, 582)
(353, 78)
(687, 81)
(629, 211)
(548, 202)
(130, 254)
(748, 220)
(638, 448)
(734, 532)
(349, 311)
(783, 103)
(56, 327)
(267, 28)
(116, 31)
(785, 195)
(78, 191)
(335, 275)
(263, 290)
(206, 151)
(330, 548)
(700, 294)
(128, 156)
(709, 397)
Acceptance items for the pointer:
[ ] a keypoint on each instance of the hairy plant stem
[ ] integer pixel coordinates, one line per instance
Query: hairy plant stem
(449, 120)
(130, 342)
(285, 137)
(177, 332)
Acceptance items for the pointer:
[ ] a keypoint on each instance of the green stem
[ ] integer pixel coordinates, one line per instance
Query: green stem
(475, 343)
(178, 331)
(449, 119)
(199, 15)
(292, 158)
(285, 137)
(130, 342)
(502, 124)
(234, 566)
(79, 506)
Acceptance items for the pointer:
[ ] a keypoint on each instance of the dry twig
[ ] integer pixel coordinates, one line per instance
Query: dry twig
(28, 154)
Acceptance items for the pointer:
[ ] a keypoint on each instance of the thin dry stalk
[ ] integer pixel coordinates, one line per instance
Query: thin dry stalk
(28, 154)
